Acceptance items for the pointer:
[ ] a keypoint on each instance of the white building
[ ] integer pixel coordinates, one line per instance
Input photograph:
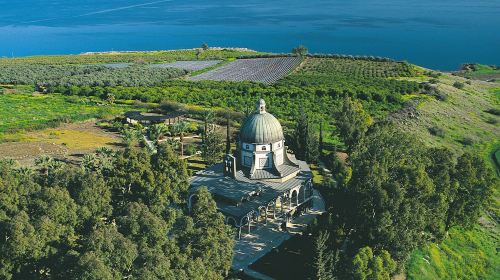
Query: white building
(262, 180)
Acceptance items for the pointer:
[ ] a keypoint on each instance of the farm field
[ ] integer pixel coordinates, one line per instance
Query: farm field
(68, 142)
(87, 75)
(356, 67)
(266, 70)
(26, 111)
(192, 65)
(130, 57)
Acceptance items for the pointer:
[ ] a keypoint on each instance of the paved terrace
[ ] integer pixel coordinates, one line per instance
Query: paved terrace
(263, 239)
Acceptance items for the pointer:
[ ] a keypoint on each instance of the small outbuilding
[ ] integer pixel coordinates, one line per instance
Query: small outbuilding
(154, 118)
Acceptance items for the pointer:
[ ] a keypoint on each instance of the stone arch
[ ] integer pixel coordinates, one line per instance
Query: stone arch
(248, 220)
(262, 213)
(294, 198)
(302, 193)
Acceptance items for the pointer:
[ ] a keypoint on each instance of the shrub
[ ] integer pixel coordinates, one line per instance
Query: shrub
(436, 131)
(493, 111)
(492, 120)
(433, 81)
(468, 82)
(467, 141)
(458, 85)
(433, 74)
(441, 96)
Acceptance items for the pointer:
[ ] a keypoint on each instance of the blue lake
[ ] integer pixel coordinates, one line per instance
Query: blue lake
(440, 34)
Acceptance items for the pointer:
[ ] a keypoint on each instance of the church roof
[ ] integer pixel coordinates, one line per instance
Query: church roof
(231, 194)
(261, 127)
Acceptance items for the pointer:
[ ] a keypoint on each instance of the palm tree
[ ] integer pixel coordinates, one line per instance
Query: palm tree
(180, 128)
(155, 132)
(90, 162)
(130, 136)
(25, 171)
(44, 162)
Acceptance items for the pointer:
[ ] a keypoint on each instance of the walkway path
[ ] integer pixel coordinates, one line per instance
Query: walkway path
(264, 238)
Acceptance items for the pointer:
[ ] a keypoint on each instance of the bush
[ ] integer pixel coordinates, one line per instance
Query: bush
(458, 85)
(441, 96)
(492, 121)
(433, 81)
(493, 111)
(467, 141)
(436, 131)
(433, 74)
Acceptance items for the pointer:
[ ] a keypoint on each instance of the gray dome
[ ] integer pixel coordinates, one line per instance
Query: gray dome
(261, 127)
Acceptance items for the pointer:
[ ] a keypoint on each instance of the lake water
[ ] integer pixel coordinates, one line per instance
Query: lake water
(440, 34)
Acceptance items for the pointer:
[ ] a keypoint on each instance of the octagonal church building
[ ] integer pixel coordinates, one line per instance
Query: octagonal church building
(262, 181)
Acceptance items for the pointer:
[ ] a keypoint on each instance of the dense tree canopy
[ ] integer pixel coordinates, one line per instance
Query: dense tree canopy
(129, 221)
(401, 194)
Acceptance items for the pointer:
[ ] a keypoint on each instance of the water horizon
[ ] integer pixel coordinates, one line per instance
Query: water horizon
(439, 34)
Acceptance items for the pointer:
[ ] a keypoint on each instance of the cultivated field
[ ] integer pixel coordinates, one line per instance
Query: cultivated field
(266, 70)
(130, 57)
(67, 142)
(25, 112)
(192, 65)
(356, 68)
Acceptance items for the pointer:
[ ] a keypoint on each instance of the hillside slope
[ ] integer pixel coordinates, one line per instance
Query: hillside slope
(459, 120)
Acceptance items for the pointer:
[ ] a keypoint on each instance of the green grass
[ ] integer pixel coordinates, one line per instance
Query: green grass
(485, 69)
(317, 176)
(481, 72)
(466, 254)
(496, 92)
(24, 111)
(461, 116)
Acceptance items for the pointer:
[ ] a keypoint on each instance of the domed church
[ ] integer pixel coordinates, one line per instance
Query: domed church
(261, 181)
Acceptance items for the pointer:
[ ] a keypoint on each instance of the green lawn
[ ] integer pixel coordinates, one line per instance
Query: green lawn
(27, 111)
